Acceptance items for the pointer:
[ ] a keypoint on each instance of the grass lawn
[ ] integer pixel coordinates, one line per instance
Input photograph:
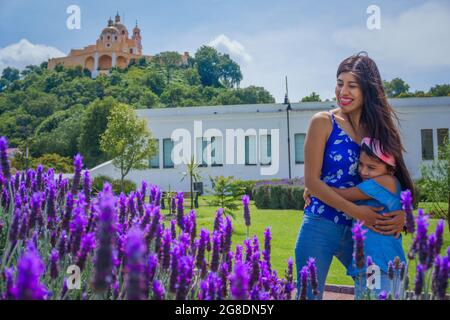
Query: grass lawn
(285, 225)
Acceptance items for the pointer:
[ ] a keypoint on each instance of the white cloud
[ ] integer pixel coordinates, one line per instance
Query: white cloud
(417, 38)
(23, 53)
(234, 48)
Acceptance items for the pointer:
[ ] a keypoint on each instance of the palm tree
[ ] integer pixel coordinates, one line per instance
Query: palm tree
(192, 170)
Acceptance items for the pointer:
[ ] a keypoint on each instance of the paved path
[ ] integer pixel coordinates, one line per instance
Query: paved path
(337, 296)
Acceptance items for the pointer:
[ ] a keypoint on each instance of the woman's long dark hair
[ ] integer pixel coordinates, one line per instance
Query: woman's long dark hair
(377, 116)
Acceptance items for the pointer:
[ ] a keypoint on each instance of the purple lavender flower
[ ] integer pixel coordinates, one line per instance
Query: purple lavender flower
(255, 269)
(135, 264)
(62, 244)
(193, 225)
(122, 208)
(402, 270)
(180, 209)
(267, 247)
(200, 261)
(223, 273)
(10, 290)
(173, 205)
(246, 202)
(228, 233)
(77, 226)
(431, 250)
(289, 285)
(382, 295)
(87, 245)
(238, 255)
(50, 206)
(152, 266)
(87, 186)
(216, 251)
(14, 228)
(313, 275)
(104, 255)
(304, 282)
(406, 199)
(391, 270)
(173, 230)
(158, 290)
(68, 212)
(54, 259)
(442, 281)
(218, 219)
(78, 166)
(184, 277)
(420, 277)
(248, 250)
(143, 190)
(239, 281)
(420, 242)
(166, 243)
(4, 162)
(358, 237)
(175, 256)
(439, 235)
(30, 268)
(36, 212)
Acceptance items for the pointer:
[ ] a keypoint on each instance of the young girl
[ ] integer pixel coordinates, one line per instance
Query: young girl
(383, 176)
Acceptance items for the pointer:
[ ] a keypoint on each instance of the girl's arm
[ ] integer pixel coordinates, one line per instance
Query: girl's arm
(351, 194)
(315, 141)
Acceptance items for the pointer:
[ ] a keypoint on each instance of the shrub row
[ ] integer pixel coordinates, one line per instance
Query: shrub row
(278, 197)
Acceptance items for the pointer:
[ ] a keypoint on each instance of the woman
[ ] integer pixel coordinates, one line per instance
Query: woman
(332, 148)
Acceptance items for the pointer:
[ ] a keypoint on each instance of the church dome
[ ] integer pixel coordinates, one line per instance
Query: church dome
(110, 30)
(121, 29)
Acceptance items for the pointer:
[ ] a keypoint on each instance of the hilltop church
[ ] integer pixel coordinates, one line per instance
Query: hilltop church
(114, 48)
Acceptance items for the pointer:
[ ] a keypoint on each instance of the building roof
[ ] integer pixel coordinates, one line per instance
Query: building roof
(396, 103)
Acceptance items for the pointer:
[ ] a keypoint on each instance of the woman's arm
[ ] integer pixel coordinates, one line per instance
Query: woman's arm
(351, 194)
(315, 141)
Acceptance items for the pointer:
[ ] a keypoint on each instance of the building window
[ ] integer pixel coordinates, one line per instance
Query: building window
(109, 38)
(427, 144)
(265, 147)
(201, 155)
(115, 38)
(250, 150)
(131, 50)
(123, 31)
(299, 141)
(167, 153)
(154, 161)
(442, 139)
(216, 151)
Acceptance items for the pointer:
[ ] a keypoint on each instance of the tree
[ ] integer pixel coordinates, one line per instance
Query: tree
(9, 75)
(169, 60)
(395, 87)
(227, 193)
(207, 60)
(230, 72)
(440, 90)
(93, 125)
(313, 97)
(127, 140)
(192, 170)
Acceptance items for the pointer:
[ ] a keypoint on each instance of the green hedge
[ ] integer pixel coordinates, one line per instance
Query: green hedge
(97, 184)
(278, 197)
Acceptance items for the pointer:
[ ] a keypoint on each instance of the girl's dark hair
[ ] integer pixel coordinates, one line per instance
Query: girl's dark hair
(377, 116)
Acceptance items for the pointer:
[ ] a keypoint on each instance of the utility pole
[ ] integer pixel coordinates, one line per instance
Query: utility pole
(288, 108)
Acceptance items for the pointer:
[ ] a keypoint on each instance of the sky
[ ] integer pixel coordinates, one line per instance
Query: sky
(303, 40)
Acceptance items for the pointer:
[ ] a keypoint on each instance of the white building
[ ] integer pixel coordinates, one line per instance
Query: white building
(424, 123)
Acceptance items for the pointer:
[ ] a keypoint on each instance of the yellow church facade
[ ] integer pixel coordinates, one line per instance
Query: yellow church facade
(114, 48)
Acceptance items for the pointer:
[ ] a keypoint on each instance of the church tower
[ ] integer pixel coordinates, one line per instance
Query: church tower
(137, 38)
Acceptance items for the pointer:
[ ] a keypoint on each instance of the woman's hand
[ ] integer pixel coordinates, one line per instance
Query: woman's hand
(369, 216)
(393, 225)
(306, 197)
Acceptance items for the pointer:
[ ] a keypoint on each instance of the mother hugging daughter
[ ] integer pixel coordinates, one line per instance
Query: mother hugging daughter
(354, 170)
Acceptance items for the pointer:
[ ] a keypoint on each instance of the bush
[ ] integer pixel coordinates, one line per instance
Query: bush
(278, 197)
(97, 184)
